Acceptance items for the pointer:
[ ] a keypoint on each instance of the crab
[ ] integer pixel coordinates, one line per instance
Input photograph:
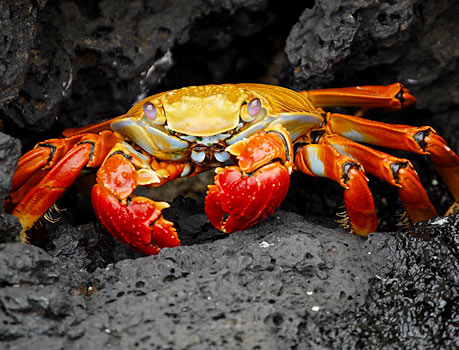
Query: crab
(254, 135)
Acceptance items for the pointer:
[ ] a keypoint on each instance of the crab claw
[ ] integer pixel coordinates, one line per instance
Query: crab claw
(137, 223)
(238, 200)
(246, 194)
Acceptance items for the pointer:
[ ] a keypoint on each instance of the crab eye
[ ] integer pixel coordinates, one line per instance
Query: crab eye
(254, 107)
(251, 111)
(149, 110)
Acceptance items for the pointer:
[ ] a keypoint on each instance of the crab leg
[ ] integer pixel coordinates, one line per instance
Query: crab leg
(134, 220)
(244, 195)
(398, 172)
(394, 96)
(48, 170)
(324, 161)
(34, 165)
(421, 140)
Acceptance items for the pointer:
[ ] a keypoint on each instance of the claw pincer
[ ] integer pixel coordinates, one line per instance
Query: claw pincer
(246, 194)
(133, 220)
(136, 222)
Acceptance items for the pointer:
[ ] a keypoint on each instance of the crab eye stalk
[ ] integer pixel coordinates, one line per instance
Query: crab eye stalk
(251, 111)
(254, 107)
(150, 110)
(153, 114)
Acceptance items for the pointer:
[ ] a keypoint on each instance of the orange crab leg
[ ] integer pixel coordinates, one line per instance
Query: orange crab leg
(421, 140)
(134, 220)
(394, 96)
(246, 194)
(324, 161)
(48, 186)
(398, 172)
(43, 156)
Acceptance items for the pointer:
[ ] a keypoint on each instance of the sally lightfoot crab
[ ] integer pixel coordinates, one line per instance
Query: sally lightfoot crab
(254, 135)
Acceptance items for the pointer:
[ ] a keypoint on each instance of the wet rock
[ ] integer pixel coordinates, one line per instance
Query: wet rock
(412, 302)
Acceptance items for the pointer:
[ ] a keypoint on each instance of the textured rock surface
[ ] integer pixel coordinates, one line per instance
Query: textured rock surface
(414, 42)
(10, 151)
(18, 31)
(295, 281)
(285, 282)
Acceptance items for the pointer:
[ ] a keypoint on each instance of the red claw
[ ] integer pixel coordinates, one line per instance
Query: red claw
(138, 223)
(238, 201)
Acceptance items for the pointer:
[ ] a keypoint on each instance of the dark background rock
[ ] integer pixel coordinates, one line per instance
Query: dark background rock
(294, 281)
(339, 43)
(10, 151)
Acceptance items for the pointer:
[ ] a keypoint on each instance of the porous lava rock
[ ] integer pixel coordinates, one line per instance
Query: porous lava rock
(10, 150)
(337, 43)
(283, 284)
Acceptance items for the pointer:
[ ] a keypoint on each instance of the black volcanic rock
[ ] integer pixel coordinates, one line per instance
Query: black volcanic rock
(10, 149)
(283, 283)
(340, 43)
